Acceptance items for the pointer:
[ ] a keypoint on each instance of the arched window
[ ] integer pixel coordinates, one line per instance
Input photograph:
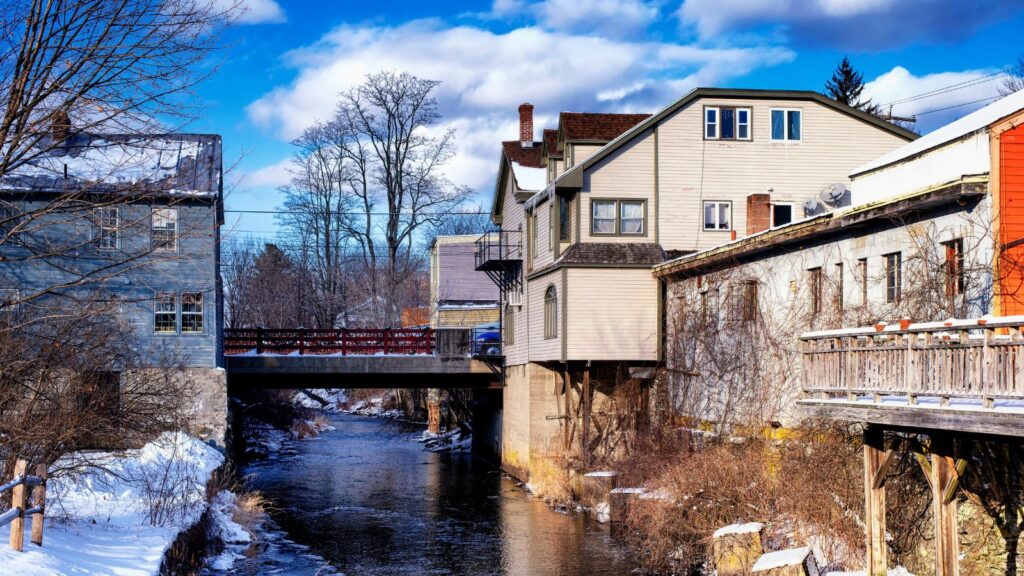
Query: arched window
(551, 313)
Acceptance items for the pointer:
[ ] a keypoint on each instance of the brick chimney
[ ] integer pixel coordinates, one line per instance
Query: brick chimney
(526, 125)
(759, 213)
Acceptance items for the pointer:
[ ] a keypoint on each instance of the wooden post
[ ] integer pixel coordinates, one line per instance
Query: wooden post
(874, 500)
(585, 436)
(344, 341)
(259, 340)
(943, 473)
(39, 501)
(18, 503)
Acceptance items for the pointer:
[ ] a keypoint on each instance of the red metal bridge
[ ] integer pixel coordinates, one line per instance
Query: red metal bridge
(356, 358)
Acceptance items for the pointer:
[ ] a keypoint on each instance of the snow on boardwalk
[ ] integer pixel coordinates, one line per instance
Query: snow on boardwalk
(122, 542)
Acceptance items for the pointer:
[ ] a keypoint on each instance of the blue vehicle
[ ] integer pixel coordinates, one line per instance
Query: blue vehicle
(487, 340)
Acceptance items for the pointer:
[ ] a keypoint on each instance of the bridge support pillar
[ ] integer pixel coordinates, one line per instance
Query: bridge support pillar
(434, 411)
(876, 460)
(943, 478)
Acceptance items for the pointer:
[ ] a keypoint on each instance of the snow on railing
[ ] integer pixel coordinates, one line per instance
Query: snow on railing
(355, 342)
(19, 510)
(980, 359)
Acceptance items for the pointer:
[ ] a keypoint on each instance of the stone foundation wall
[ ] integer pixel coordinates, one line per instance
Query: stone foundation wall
(208, 409)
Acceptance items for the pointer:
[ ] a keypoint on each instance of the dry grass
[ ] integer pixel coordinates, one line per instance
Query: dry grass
(251, 508)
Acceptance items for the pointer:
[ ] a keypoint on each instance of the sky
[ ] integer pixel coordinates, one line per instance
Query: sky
(285, 62)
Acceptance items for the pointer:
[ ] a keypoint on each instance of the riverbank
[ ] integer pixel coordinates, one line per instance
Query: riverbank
(119, 512)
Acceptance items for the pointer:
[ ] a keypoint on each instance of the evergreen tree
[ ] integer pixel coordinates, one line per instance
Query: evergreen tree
(846, 86)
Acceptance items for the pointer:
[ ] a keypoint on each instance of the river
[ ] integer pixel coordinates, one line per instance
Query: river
(366, 500)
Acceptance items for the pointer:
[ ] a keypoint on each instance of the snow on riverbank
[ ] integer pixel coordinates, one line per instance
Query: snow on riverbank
(101, 521)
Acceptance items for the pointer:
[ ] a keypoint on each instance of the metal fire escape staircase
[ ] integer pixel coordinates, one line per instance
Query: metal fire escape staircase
(499, 254)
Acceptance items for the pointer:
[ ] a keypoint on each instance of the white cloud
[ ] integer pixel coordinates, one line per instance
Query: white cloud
(270, 176)
(486, 75)
(849, 24)
(900, 84)
(254, 11)
(616, 18)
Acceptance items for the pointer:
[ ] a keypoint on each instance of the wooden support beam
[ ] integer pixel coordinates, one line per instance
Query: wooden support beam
(874, 500)
(883, 469)
(18, 503)
(39, 503)
(585, 436)
(943, 475)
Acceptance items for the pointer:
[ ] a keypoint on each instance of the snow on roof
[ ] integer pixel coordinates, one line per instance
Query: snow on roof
(973, 122)
(185, 164)
(746, 528)
(781, 558)
(529, 178)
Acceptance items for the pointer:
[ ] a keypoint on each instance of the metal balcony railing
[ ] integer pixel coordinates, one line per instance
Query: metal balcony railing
(495, 251)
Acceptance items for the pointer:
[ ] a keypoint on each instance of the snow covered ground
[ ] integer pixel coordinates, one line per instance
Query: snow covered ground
(102, 521)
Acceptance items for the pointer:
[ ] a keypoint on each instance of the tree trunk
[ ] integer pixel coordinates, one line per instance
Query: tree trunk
(1011, 554)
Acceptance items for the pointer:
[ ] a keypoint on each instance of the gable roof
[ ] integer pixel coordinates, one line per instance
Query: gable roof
(976, 121)
(514, 152)
(595, 126)
(573, 178)
(550, 139)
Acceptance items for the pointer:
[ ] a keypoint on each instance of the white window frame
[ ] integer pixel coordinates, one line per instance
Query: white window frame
(166, 211)
(157, 312)
(717, 212)
(792, 212)
(200, 314)
(100, 228)
(717, 123)
(785, 125)
(736, 123)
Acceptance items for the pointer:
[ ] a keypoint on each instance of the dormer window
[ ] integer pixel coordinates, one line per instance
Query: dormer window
(726, 123)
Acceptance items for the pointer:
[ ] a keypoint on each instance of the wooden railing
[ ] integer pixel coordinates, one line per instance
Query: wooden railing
(15, 516)
(345, 342)
(981, 360)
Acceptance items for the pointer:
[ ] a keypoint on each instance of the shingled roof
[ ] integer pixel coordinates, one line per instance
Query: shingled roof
(530, 157)
(631, 253)
(596, 126)
(551, 143)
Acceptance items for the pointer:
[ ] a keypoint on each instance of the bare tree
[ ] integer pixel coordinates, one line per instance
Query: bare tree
(395, 177)
(1014, 80)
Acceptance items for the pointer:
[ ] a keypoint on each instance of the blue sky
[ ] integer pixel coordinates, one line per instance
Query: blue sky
(287, 59)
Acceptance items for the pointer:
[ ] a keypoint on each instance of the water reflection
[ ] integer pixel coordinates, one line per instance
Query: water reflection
(370, 501)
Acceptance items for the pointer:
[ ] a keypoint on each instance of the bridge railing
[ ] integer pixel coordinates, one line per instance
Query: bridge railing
(341, 341)
(978, 361)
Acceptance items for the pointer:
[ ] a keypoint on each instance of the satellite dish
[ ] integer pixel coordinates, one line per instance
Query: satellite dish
(811, 205)
(833, 193)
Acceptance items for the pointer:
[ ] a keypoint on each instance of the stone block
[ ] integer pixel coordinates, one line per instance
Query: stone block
(619, 501)
(792, 562)
(735, 548)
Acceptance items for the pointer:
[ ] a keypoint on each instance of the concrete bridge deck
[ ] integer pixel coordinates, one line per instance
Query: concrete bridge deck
(376, 371)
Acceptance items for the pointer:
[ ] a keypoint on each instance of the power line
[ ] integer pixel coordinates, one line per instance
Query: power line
(957, 105)
(360, 213)
(952, 87)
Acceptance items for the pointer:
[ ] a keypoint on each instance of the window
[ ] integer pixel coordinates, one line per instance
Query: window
(839, 285)
(748, 311)
(106, 236)
(564, 218)
(711, 123)
(717, 215)
(954, 268)
(862, 277)
(782, 214)
(509, 330)
(893, 277)
(618, 218)
(531, 223)
(165, 313)
(550, 313)
(814, 277)
(603, 220)
(551, 227)
(786, 125)
(192, 313)
(727, 123)
(165, 229)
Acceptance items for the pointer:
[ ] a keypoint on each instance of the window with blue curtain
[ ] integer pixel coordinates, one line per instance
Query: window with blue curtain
(778, 125)
(786, 125)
